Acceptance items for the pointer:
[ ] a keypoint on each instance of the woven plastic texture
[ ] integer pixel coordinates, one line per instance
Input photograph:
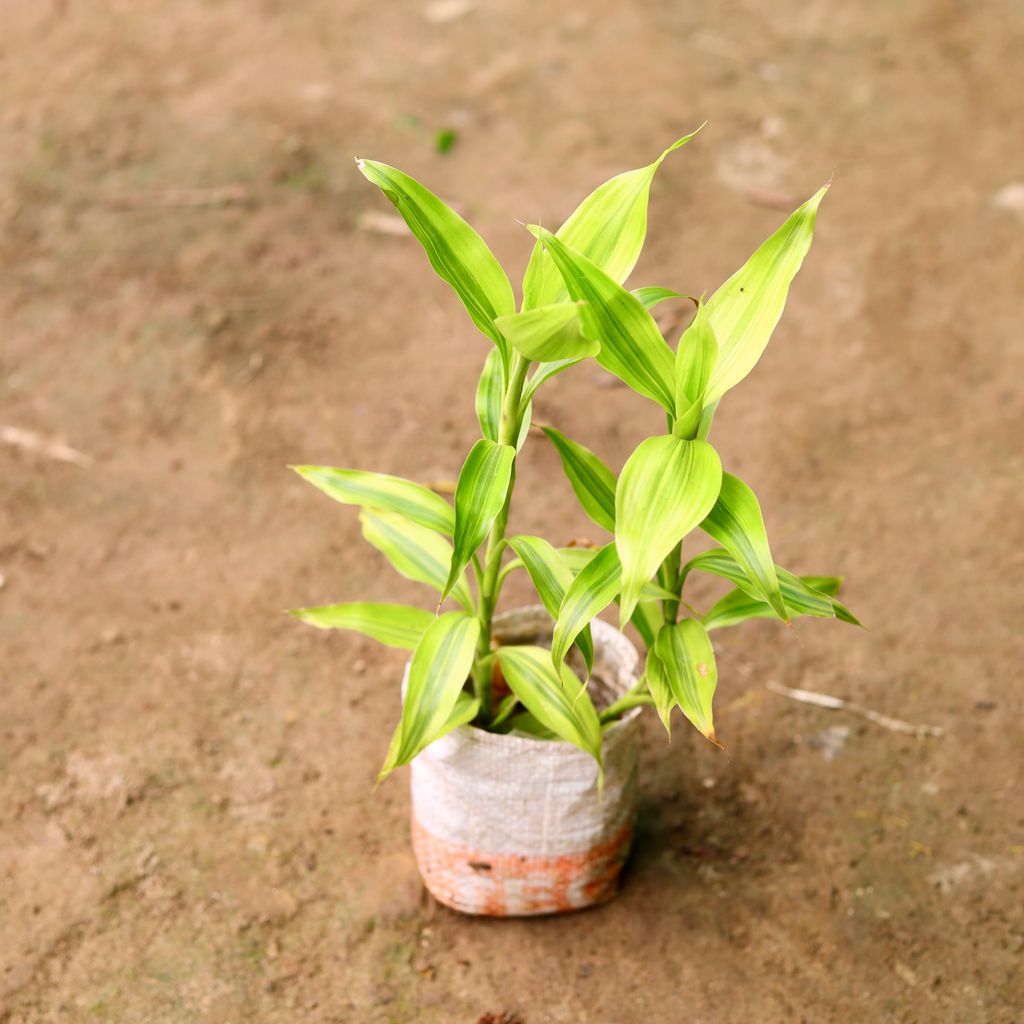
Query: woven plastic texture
(509, 825)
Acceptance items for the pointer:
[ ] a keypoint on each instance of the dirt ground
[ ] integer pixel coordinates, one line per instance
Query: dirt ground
(188, 828)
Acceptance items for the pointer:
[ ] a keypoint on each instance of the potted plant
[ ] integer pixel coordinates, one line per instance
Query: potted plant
(522, 728)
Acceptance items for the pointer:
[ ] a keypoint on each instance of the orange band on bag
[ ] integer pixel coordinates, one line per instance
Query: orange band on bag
(509, 885)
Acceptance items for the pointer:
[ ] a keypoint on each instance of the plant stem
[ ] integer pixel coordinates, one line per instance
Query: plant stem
(508, 433)
(670, 573)
(630, 699)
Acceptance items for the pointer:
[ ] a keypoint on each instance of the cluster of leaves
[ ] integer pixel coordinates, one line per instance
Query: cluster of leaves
(575, 307)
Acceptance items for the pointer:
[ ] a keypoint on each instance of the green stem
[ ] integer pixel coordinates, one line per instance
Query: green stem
(668, 576)
(508, 433)
(668, 573)
(630, 699)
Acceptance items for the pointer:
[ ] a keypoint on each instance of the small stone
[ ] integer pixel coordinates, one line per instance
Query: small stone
(359, 666)
(586, 970)
(1010, 199)
(216, 319)
(830, 741)
(441, 11)
(905, 974)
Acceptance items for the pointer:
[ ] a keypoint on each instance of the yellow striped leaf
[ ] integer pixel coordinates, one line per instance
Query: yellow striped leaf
(559, 701)
(438, 672)
(415, 552)
(396, 625)
(608, 228)
(736, 523)
(552, 578)
(489, 391)
(458, 254)
(695, 359)
(384, 492)
(665, 489)
(744, 311)
(591, 480)
(632, 347)
(548, 333)
(593, 589)
(479, 496)
(684, 664)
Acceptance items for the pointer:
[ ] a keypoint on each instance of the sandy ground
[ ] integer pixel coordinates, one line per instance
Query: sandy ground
(188, 831)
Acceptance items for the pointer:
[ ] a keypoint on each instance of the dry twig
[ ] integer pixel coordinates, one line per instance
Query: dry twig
(824, 700)
(30, 441)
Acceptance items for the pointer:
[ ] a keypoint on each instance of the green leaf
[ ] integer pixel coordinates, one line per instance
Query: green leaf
(591, 480)
(558, 700)
(545, 371)
(489, 393)
(526, 723)
(744, 311)
(828, 585)
(652, 296)
(397, 625)
(632, 347)
(800, 594)
(524, 426)
(579, 558)
(383, 492)
(657, 683)
(466, 708)
(479, 496)
(803, 595)
(438, 672)
(415, 552)
(458, 254)
(552, 578)
(666, 488)
(736, 523)
(548, 333)
(737, 606)
(706, 417)
(608, 228)
(685, 664)
(587, 596)
(648, 619)
(506, 706)
(695, 358)
(720, 563)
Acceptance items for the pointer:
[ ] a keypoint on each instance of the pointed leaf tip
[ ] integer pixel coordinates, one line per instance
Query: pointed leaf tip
(459, 256)
(679, 143)
(746, 308)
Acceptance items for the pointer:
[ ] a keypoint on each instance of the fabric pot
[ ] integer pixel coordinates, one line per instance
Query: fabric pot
(510, 825)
